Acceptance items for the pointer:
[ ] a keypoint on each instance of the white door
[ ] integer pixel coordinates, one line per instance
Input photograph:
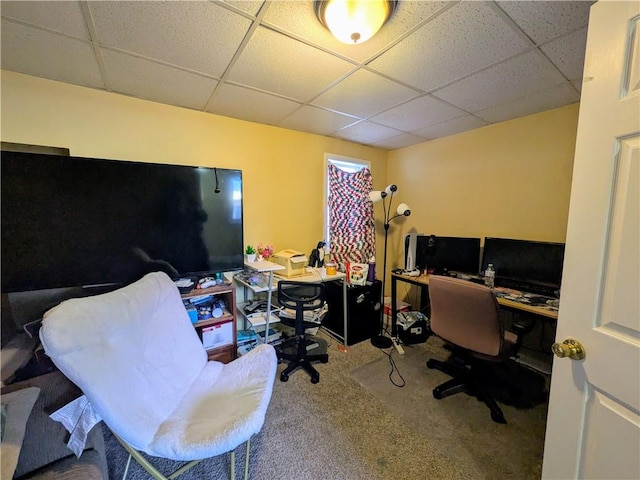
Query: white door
(593, 427)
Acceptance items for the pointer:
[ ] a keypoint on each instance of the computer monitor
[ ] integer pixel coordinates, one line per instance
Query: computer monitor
(525, 264)
(448, 254)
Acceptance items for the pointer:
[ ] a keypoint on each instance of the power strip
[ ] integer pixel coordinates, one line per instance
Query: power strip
(398, 346)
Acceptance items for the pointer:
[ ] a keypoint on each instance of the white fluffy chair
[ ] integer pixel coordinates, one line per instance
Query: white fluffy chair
(138, 360)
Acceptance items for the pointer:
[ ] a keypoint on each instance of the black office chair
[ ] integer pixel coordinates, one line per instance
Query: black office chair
(301, 297)
(466, 315)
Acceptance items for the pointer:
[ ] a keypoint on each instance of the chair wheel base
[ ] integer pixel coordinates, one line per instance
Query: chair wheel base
(498, 417)
(284, 377)
(315, 379)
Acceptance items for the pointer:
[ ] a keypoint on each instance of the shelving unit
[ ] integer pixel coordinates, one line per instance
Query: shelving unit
(267, 268)
(224, 353)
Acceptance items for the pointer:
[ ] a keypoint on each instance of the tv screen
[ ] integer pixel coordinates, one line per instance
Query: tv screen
(451, 254)
(69, 221)
(528, 261)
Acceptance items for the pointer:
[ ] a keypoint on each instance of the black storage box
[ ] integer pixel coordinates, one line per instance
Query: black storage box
(412, 327)
(363, 310)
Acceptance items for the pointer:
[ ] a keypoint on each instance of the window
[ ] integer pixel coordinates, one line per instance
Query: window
(349, 224)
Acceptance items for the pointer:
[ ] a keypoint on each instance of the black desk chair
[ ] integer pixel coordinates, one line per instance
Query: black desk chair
(301, 297)
(466, 315)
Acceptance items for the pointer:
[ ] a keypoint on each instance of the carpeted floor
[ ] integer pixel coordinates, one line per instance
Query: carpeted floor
(355, 424)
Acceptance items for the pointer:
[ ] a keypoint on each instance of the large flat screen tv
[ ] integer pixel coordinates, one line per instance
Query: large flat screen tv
(70, 221)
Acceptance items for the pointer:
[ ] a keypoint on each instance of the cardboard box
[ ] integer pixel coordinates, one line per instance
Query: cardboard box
(293, 261)
(218, 335)
(401, 306)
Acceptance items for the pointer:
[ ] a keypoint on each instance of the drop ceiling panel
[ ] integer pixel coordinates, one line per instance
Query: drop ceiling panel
(43, 54)
(298, 18)
(547, 99)
(506, 81)
(64, 17)
(238, 102)
(451, 127)
(544, 20)
(364, 94)
(317, 120)
(367, 133)
(463, 39)
(276, 63)
(418, 113)
(567, 53)
(185, 34)
(171, 86)
(248, 6)
(399, 141)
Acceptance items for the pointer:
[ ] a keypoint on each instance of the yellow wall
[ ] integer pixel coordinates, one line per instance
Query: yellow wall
(510, 180)
(283, 170)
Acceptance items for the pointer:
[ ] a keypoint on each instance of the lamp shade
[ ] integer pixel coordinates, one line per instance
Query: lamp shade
(376, 195)
(403, 209)
(390, 189)
(354, 21)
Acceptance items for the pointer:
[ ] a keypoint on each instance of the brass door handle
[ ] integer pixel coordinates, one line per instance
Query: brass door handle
(569, 348)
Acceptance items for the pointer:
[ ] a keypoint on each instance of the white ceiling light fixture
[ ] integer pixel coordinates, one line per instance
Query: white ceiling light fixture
(354, 21)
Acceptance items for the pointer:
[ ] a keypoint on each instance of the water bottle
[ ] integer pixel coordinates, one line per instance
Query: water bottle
(490, 276)
(371, 274)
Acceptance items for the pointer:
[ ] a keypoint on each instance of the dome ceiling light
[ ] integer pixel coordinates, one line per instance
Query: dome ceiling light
(354, 21)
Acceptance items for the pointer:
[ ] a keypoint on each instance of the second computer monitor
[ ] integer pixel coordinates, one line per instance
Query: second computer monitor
(531, 262)
(448, 254)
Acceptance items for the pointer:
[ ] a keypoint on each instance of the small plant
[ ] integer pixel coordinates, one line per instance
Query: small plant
(250, 250)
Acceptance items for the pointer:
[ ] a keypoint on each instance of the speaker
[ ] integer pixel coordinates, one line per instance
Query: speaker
(363, 310)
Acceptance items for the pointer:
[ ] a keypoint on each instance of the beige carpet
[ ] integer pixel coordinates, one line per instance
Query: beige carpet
(461, 422)
(355, 424)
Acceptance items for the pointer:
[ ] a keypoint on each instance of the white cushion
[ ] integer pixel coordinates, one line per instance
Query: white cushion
(138, 359)
(224, 407)
(133, 352)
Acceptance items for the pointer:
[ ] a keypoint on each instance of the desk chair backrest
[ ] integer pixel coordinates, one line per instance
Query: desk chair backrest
(301, 297)
(466, 314)
(133, 352)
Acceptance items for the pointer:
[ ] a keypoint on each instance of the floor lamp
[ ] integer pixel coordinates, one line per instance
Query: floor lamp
(380, 340)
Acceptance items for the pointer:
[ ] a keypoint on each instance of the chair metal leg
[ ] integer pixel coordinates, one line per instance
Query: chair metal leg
(246, 461)
(232, 475)
(144, 463)
(126, 468)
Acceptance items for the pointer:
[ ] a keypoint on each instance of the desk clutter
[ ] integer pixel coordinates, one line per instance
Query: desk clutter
(252, 278)
(189, 284)
(256, 310)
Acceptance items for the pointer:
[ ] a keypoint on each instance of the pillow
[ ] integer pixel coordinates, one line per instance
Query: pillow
(17, 407)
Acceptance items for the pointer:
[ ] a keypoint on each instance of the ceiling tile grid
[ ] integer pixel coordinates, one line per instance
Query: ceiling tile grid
(185, 34)
(42, 53)
(503, 82)
(437, 68)
(131, 76)
(317, 120)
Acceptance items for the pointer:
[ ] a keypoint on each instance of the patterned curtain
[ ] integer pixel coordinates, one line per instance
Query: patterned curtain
(351, 223)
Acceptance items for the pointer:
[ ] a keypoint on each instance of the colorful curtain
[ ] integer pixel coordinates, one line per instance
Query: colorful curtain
(351, 223)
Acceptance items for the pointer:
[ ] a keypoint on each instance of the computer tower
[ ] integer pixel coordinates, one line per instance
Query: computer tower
(363, 310)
